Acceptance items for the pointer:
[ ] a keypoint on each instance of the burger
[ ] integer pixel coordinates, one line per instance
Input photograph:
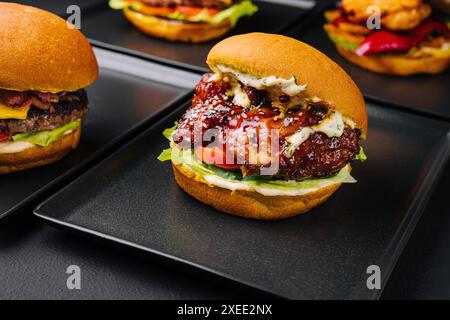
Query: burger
(185, 20)
(45, 66)
(271, 131)
(406, 41)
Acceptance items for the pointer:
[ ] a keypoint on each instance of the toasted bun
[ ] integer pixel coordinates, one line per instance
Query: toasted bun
(39, 52)
(266, 55)
(397, 64)
(249, 204)
(176, 30)
(39, 156)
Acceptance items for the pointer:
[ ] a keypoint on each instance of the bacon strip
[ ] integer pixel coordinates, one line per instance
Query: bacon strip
(41, 100)
(15, 99)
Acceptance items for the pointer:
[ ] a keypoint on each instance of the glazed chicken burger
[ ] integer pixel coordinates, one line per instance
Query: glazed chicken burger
(185, 20)
(271, 132)
(45, 66)
(408, 39)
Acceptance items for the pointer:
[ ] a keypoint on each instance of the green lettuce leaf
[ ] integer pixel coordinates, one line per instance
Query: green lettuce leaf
(208, 172)
(165, 155)
(234, 179)
(361, 156)
(258, 184)
(120, 5)
(168, 132)
(45, 138)
(343, 43)
(233, 13)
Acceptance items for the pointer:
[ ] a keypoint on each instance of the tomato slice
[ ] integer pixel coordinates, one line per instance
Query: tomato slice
(192, 11)
(214, 156)
(4, 137)
(339, 19)
(387, 41)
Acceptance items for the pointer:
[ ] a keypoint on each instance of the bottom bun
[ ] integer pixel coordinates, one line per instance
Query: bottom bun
(397, 64)
(176, 30)
(38, 156)
(250, 204)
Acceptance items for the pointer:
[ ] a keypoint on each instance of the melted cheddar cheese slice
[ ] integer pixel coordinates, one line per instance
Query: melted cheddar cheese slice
(7, 112)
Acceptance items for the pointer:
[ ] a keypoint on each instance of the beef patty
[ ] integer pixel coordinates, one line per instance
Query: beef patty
(74, 105)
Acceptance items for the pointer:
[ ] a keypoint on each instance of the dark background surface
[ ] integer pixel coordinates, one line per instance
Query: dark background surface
(321, 255)
(423, 270)
(59, 7)
(36, 257)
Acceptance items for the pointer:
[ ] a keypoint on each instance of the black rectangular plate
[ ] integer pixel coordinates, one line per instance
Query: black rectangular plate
(121, 101)
(427, 94)
(132, 199)
(108, 28)
(59, 7)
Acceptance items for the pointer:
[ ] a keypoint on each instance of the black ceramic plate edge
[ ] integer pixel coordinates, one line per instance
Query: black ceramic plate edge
(439, 158)
(110, 146)
(415, 211)
(194, 68)
(117, 243)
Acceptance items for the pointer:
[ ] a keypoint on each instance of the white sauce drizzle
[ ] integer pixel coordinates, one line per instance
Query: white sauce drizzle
(8, 147)
(261, 188)
(14, 146)
(287, 86)
(333, 126)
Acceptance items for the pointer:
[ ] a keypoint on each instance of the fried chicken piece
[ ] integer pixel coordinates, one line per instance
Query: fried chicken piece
(408, 19)
(352, 28)
(337, 31)
(395, 14)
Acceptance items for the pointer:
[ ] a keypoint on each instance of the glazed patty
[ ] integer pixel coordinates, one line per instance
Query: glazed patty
(319, 156)
(73, 106)
(213, 108)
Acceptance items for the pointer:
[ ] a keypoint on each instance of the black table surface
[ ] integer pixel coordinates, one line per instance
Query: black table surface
(34, 258)
(422, 271)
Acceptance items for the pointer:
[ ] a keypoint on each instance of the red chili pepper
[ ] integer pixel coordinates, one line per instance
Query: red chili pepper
(421, 31)
(4, 137)
(384, 41)
(387, 41)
